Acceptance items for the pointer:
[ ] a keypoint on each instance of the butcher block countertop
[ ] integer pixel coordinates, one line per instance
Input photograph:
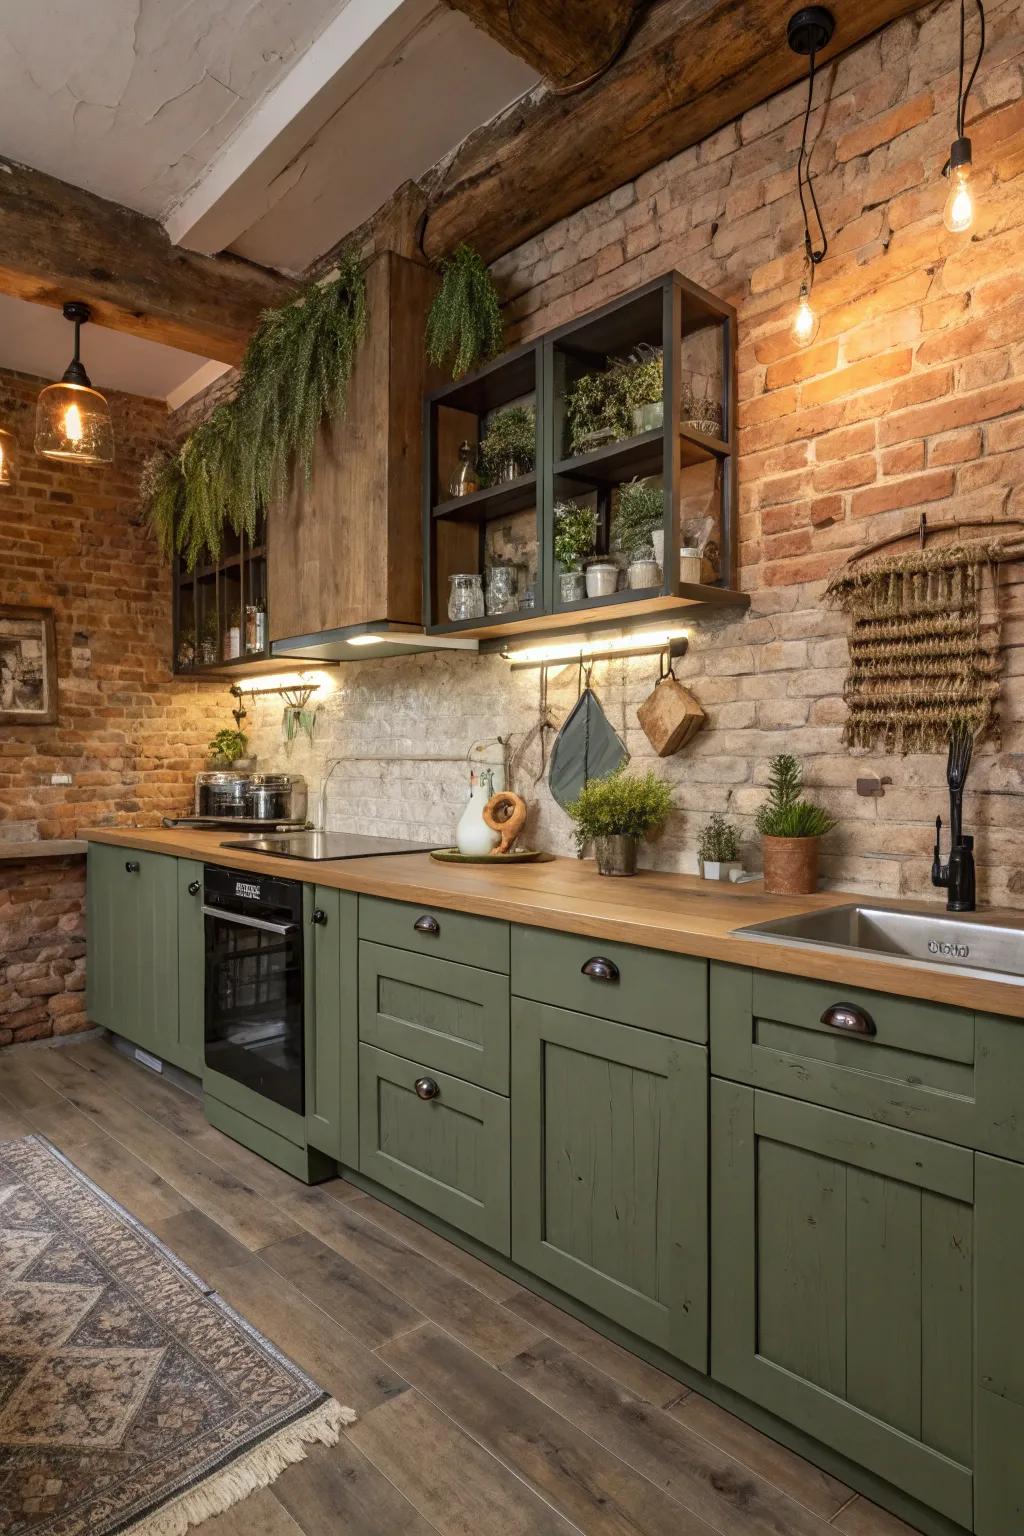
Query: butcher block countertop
(679, 913)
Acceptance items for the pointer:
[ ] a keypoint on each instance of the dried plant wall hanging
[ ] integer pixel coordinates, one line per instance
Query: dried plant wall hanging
(924, 644)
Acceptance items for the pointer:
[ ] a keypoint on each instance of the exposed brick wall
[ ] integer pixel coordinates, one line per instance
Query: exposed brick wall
(910, 399)
(131, 736)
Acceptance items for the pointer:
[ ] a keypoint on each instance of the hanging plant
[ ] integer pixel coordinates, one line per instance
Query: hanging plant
(295, 374)
(464, 327)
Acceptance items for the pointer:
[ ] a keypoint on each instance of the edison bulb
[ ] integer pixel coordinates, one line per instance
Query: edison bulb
(958, 214)
(805, 321)
(73, 424)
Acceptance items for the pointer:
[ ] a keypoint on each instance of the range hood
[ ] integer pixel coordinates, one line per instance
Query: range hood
(367, 642)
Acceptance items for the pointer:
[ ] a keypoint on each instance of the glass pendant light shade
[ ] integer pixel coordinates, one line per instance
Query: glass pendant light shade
(73, 422)
(8, 459)
(73, 419)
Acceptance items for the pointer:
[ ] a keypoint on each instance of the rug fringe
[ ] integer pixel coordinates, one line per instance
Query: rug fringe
(249, 1473)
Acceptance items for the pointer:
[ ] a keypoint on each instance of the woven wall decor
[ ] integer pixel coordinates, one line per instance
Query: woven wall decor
(924, 644)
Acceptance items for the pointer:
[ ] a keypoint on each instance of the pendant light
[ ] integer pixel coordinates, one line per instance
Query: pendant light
(8, 459)
(73, 419)
(808, 32)
(958, 214)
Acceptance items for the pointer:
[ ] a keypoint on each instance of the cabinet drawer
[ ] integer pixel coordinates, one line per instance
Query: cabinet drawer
(448, 1153)
(925, 1067)
(454, 1016)
(647, 987)
(445, 935)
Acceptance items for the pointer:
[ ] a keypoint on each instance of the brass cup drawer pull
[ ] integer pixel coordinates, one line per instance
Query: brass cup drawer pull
(427, 924)
(600, 969)
(426, 1088)
(848, 1017)
(132, 866)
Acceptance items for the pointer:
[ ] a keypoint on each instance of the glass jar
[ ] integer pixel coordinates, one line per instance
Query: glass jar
(502, 589)
(465, 597)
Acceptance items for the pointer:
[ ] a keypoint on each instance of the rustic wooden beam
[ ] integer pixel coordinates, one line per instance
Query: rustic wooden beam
(567, 44)
(686, 73)
(61, 242)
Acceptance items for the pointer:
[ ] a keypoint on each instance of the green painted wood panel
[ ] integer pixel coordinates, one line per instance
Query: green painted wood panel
(999, 1385)
(806, 1201)
(189, 1046)
(132, 946)
(654, 990)
(609, 1165)
(932, 1070)
(106, 956)
(302, 1162)
(323, 1018)
(450, 1154)
(460, 936)
(454, 1016)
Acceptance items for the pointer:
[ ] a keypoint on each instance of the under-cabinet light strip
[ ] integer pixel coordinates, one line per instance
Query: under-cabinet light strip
(674, 641)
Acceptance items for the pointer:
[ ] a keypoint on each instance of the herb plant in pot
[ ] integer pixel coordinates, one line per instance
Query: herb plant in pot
(791, 830)
(575, 532)
(718, 848)
(508, 448)
(227, 748)
(614, 812)
(640, 511)
(639, 386)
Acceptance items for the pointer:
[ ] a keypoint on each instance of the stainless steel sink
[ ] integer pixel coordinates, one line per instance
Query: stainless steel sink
(968, 942)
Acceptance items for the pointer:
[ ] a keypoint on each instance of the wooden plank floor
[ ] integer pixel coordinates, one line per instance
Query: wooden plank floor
(482, 1408)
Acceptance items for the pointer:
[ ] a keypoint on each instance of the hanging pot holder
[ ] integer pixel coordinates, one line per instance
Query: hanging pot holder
(585, 748)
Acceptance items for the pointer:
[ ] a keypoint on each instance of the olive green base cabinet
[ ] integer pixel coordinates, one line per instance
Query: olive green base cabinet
(999, 1401)
(609, 1171)
(191, 970)
(132, 927)
(332, 1060)
(842, 1278)
(438, 1141)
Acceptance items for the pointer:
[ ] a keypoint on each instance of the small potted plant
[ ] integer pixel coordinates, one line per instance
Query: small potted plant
(508, 448)
(791, 830)
(718, 848)
(227, 748)
(639, 385)
(575, 533)
(614, 812)
(640, 510)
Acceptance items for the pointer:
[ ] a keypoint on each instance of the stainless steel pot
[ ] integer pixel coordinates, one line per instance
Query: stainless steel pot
(276, 797)
(223, 794)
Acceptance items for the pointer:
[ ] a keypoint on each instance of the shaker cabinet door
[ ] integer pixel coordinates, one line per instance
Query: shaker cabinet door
(842, 1277)
(609, 1171)
(188, 1048)
(132, 959)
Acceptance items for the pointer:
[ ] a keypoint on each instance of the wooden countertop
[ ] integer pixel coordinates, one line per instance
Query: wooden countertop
(42, 848)
(660, 911)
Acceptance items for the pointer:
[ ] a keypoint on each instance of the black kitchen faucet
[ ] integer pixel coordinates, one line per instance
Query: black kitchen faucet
(956, 876)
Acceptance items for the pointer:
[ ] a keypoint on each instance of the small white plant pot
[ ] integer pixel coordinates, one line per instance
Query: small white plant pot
(658, 540)
(643, 573)
(647, 417)
(572, 586)
(602, 579)
(691, 565)
(714, 869)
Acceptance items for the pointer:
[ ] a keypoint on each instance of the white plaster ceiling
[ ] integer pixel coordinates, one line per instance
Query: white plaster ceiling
(37, 340)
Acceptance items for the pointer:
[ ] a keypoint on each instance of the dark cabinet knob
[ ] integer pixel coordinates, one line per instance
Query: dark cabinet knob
(600, 969)
(426, 1088)
(848, 1017)
(427, 924)
(194, 887)
(319, 916)
(132, 866)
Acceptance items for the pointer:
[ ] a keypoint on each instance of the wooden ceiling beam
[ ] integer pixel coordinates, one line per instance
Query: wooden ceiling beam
(690, 68)
(567, 44)
(60, 242)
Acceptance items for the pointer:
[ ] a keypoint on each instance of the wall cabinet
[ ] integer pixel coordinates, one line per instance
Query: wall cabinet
(843, 1279)
(609, 1171)
(132, 922)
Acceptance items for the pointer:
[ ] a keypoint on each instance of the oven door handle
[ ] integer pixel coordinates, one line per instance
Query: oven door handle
(249, 922)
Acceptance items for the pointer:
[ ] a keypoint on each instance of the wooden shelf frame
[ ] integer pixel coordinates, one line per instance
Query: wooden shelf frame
(665, 312)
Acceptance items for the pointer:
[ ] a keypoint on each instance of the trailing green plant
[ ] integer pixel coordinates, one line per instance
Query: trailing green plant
(575, 534)
(295, 373)
(603, 403)
(510, 439)
(620, 804)
(640, 510)
(785, 813)
(718, 841)
(464, 327)
(228, 746)
(637, 379)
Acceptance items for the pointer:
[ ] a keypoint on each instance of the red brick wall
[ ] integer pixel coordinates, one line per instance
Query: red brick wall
(129, 734)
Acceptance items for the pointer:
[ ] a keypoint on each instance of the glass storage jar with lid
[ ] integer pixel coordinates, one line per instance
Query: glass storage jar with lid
(465, 596)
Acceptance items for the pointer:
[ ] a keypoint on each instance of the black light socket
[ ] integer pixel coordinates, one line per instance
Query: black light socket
(79, 314)
(810, 30)
(959, 154)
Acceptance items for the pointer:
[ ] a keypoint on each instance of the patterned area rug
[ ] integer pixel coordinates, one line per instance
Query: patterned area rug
(132, 1398)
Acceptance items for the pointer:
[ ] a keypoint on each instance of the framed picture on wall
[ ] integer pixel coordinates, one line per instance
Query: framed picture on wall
(28, 666)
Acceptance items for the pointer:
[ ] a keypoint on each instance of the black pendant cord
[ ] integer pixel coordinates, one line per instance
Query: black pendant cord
(963, 93)
(804, 177)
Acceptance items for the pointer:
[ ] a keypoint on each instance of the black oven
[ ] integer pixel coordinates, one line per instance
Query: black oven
(254, 983)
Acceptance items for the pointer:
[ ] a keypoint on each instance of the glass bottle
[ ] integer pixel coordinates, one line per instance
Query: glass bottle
(466, 478)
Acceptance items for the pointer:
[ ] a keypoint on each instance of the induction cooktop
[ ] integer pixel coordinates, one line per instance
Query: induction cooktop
(318, 846)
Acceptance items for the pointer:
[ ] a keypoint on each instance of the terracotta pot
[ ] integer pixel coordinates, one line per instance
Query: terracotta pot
(790, 865)
(616, 854)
